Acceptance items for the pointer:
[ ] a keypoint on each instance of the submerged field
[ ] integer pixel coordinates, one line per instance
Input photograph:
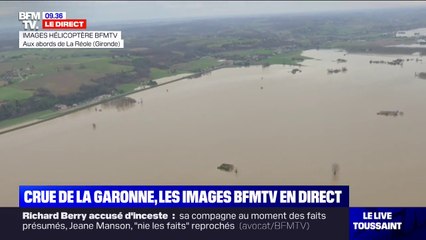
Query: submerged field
(274, 126)
(61, 72)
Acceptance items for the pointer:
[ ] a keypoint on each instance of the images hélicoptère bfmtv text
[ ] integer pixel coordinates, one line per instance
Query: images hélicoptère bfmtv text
(56, 31)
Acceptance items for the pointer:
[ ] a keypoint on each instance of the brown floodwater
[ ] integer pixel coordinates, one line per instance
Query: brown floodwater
(275, 127)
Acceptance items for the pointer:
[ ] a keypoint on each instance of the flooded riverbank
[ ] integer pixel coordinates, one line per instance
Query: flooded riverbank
(274, 126)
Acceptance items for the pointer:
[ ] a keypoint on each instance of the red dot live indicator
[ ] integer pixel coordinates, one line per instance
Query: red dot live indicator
(67, 24)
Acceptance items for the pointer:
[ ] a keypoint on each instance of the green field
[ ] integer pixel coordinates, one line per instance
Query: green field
(292, 58)
(61, 71)
(87, 65)
(8, 93)
(48, 53)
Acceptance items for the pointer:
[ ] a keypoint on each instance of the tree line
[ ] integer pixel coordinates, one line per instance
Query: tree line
(43, 99)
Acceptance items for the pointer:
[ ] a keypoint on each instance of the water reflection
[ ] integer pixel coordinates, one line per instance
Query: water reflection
(335, 170)
(421, 75)
(337, 70)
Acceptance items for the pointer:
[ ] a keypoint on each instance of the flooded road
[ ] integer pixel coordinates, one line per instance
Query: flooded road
(275, 127)
(412, 33)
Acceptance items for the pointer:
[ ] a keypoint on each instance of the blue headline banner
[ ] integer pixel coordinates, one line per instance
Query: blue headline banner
(182, 196)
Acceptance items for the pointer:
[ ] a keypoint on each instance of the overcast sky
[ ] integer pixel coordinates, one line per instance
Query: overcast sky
(103, 12)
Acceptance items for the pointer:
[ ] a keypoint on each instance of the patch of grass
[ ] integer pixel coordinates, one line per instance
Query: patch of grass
(197, 65)
(159, 73)
(211, 42)
(292, 58)
(127, 87)
(105, 66)
(25, 53)
(90, 64)
(8, 93)
(45, 68)
(26, 118)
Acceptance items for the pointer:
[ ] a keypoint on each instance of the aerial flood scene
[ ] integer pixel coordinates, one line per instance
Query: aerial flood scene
(324, 99)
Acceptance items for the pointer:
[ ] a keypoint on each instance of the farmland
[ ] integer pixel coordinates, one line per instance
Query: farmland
(13, 93)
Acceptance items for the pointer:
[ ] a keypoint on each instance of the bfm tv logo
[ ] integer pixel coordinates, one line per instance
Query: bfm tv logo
(50, 21)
